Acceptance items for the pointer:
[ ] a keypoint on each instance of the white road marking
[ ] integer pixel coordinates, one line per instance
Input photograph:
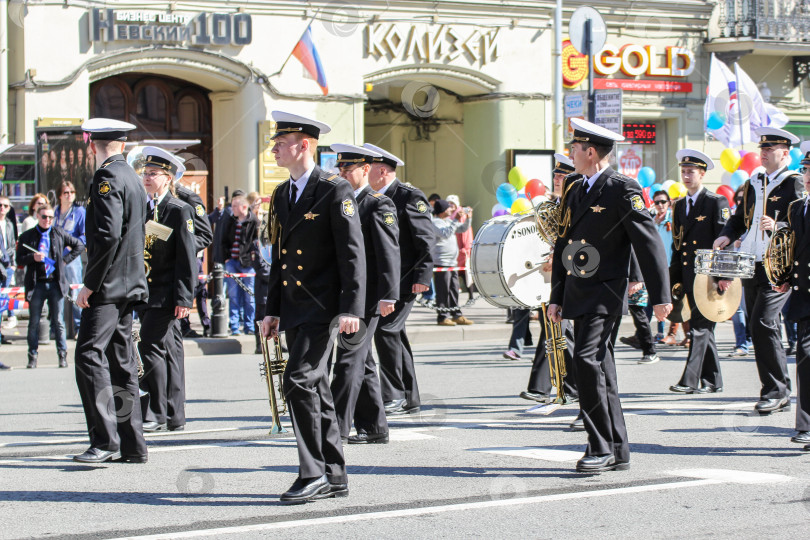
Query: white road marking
(716, 477)
(546, 454)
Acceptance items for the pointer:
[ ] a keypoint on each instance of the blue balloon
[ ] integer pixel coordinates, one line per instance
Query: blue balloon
(795, 158)
(646, 176)
(506, 194)
(738, 178)
(715, 121)
(654, 189)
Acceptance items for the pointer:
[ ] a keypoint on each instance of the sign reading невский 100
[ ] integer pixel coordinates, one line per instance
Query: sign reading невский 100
(201, 29)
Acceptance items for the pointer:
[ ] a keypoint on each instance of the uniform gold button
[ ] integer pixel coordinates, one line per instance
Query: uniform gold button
(285, 283)
(570, 241)
(283, 266)
(300, 267)
(796, 275)
(582, 272)
(283, 251)
(299, 252)
(583, 240)
(686, 264)
(570, 257)
(795, 288)
(569, 272)
(796, 263)
(149, 280)
(685, 253)
(694, 241)
(298, 283)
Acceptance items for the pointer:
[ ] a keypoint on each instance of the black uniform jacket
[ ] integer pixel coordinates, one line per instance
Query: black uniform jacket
(114, 231)
(799, 303)
(203, 234)
(318, 267)
(779, 199)
(416, 236)
(696, 231)
(592, 254)
(174, 261)
(380, 236)
(59, 240)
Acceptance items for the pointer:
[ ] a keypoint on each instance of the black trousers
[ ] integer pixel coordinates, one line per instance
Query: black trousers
(107, 378)
(643, 330)
(446, 284)
(764, 306)
(520, 329)
(163, 366)
(397, 372)
(355, 385)
(540, 378)
(703, 363)
(599, 402)
(201, 296)
(803, 376)
(306, 389)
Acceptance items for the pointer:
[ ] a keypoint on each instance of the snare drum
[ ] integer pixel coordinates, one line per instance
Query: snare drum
(506, 258)
(724, 264)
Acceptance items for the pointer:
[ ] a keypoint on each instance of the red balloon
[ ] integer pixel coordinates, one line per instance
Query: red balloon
(727, 192)
(750, 161)
(534, 188)
(646, 193)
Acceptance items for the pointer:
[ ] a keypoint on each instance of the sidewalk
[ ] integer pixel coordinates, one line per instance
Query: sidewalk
(490, 324)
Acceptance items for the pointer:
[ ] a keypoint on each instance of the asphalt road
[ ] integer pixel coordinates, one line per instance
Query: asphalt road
(473, 464)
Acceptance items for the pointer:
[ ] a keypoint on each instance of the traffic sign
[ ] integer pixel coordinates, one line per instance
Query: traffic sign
(576, 29)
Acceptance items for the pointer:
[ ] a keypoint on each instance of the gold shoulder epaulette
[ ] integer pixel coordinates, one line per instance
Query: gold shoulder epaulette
(331, 178)
(376, 195)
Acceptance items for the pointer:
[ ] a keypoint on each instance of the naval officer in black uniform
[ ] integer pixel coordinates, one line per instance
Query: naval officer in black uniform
(416, 237)
(172, 270)
(317, 289)
(114, 284)
(781, 186)
(697, 220)
(603, 216)
(798, 219)
(356, 386)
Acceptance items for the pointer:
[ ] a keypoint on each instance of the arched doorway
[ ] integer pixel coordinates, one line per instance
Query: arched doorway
(163, 109)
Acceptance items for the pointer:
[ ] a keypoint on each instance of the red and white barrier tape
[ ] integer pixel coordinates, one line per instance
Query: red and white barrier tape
(450, 269)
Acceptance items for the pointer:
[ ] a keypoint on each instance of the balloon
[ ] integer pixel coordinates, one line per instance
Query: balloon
(730, 159)
(737, 179)
(535, 188)
(665, 186)
(795, 158)
(726, 178)
(677, 190)
(715, 121)
(655, 188)
(537, 200)
(517, 178)
(506, 194)
(521, 205)
(645, 192)
(726, 192)
(749, 162)
(499, 208)
(646, 176)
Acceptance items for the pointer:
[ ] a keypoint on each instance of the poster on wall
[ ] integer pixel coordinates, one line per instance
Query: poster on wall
(534, 164)
(630, 159)
(63, 154)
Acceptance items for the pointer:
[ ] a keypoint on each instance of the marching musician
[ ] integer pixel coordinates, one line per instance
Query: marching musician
(799, 309)
(114, 283)
(766, 196)
(317, 289)
(602, 216)
(356, 386)
(397, 373)
(539, 388)
(697, 219)
(172, 272)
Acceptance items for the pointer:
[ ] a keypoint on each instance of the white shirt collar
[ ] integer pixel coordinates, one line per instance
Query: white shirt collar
(358, 190)
(696, 195)
(301, 182)
(384, 188)
(593, 178)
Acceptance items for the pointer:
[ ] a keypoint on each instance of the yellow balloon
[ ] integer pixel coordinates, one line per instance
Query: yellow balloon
(730, 159)
(517, 178)
(677, 190)
(521, 205)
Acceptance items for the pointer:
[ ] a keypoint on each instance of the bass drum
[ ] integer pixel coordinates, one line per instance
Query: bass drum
(507, 255)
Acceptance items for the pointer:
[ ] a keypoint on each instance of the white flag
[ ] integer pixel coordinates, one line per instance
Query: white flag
(722, 106)
(762, 114)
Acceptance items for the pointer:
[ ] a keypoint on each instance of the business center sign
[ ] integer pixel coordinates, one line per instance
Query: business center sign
(219, 29)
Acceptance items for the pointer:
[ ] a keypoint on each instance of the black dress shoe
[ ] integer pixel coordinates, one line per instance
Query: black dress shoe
(802, 437)
(596, 463)
(4, 367)
(681, 389)
(308, 490)
(709, 390)
(192, 334)
(96, 455)
(395, 404)
(632, 341)
(402, 410)
(577, 425)
(371, 438)
(207, 331)
(132, 459)
(806, 448)
(181, 427)
(340, 489)
(535, 396)
(768, 406)
(6, 341)
(151, 427)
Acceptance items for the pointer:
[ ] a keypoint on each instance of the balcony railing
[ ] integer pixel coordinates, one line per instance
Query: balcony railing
(783, 20)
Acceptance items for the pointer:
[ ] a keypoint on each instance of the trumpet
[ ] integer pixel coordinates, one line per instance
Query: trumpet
(269, 367)
(556, 344)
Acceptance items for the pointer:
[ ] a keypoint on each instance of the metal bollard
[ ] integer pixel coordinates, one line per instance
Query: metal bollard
(45, 325)
(219, 312)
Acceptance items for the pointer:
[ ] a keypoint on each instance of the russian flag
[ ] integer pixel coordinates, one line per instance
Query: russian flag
(307, 54)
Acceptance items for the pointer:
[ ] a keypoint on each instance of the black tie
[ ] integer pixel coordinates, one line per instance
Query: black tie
(293, 193)
(689, 205)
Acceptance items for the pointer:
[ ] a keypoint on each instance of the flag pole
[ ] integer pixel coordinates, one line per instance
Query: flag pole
(739, 104)
(309, 24)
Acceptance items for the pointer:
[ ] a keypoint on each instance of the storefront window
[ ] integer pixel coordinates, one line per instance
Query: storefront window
(110, 102)
(151, 108)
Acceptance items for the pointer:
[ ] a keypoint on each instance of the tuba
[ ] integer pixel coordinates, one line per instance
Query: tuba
(268, 368)
(778, 259)
(556, 344)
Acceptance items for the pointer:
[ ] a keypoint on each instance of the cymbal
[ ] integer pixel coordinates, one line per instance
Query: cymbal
(680, 310)
(713, 304)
